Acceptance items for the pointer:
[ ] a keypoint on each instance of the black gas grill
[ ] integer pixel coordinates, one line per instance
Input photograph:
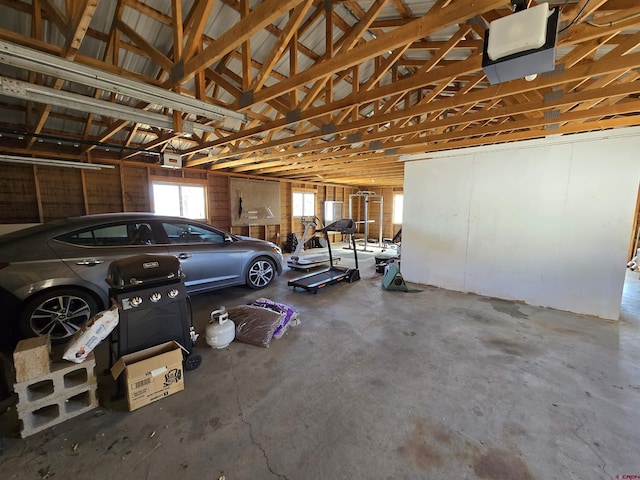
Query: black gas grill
(154, 305)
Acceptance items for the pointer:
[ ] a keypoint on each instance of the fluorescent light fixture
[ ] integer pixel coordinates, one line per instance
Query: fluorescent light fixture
(73, 101)
(36, 61)
(48, 162)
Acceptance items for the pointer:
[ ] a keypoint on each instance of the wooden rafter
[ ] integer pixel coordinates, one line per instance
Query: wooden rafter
(264, 14)
(333, 91)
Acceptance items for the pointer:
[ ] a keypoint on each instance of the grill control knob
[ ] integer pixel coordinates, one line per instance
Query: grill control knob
(173, 293)
(135, 301)
(155, 296)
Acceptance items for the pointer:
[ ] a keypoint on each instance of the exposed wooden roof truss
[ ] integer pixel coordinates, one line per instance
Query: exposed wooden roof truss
(333, 91)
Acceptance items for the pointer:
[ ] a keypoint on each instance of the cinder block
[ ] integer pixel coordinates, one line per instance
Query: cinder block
(66, 392)
(31, 358)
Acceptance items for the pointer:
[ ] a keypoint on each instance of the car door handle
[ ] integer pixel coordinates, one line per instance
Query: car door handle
(90, 263)
(184, 256)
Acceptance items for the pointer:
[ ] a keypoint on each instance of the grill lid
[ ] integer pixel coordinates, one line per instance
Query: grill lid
(140, 271)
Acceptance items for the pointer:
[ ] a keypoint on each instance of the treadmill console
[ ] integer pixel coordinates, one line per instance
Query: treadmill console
(346, 226)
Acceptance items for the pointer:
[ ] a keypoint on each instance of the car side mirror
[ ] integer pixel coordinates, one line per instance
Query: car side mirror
(228, 239)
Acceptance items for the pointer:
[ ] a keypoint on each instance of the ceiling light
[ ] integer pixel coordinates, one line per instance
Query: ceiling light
(36, 61)
(50, 96)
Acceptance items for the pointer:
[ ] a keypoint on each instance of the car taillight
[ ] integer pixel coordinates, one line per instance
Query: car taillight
(3, 265)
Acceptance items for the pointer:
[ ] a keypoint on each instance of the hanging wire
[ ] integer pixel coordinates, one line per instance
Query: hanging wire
(611, 24)
(576, 17)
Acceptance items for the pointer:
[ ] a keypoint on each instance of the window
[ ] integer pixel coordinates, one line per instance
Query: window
(180, 200)
(116, 235)
(398, 200)
(187, 233)
(333, 211)
(304, 204)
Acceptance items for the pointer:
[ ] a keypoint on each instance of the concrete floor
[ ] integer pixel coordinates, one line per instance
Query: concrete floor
(378, 384)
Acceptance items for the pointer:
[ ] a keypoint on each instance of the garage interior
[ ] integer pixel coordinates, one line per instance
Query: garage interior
(517, 359)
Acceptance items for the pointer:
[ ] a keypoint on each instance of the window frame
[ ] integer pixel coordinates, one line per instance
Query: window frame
(304, 192)
(182, 183)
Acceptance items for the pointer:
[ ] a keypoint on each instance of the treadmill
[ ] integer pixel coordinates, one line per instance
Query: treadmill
(335, 273)
(309, 262)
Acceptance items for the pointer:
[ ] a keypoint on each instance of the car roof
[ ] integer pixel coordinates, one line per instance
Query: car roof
(54, 228)
(26, 243)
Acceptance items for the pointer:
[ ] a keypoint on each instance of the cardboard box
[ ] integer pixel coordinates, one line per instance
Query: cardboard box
(151, 374)
(31, 358)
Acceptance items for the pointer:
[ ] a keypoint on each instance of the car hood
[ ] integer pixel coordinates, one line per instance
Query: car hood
(258, 240)
(242, 237)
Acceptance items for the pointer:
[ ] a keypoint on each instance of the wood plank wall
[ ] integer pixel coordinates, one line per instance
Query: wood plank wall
(32, 194)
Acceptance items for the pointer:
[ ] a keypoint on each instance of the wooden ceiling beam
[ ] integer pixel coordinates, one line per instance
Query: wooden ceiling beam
(199, 15)
(54, 14)
(492, 114)
(404, 85)
(419, 28)
(348, 164)
(177, 28)
(323, 159)
(373, 80)
(150, 51)
(147, 11)
(401, 8)
(345, 43)
(77, 24)
(601, 67)
(282, 42)
(573, 116)
(523, 135)
(437, 45)
(263, 15)
(604, 26)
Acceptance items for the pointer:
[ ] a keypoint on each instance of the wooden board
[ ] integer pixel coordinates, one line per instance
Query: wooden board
(103, 191)
(135, 189)
(260, 202)
(61, 192)
(18, 202)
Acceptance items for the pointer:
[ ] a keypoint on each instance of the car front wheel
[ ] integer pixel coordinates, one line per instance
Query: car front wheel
(261, 273)
(59, 313)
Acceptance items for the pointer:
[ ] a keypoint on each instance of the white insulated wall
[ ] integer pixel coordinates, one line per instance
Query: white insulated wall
(547, 222)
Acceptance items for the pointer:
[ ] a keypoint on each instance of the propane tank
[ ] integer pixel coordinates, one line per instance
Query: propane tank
(221, 331)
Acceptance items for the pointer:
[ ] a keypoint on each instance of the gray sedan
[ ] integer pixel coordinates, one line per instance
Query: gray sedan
(55, 272)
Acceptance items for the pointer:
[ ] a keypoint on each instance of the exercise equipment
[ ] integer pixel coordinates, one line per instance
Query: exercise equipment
(291, 243)
(369, 198)
(393, 242)
(390, 252)
(307, 262)
(335, 273)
